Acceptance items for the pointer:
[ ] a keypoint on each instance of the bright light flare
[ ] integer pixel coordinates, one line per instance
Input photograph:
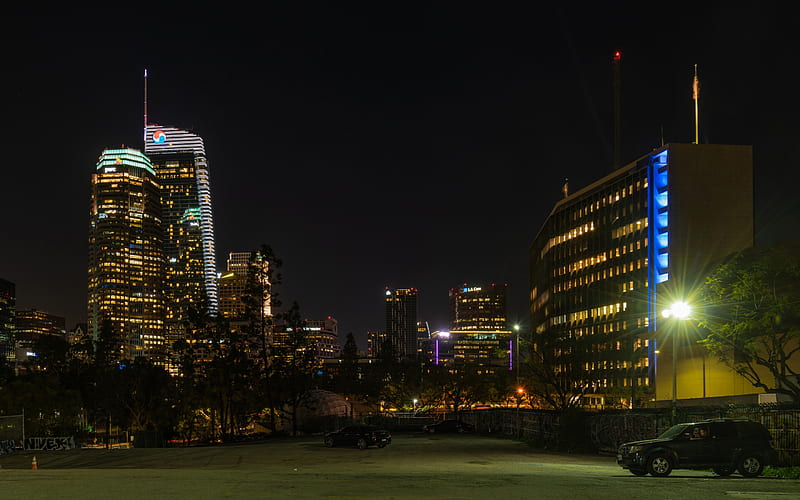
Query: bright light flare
(679, 310)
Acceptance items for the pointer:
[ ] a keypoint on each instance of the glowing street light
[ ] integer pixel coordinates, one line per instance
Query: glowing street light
(680, 311)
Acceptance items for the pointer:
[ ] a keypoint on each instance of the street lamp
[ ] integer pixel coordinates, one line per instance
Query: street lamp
(679, 311)
(414, 406)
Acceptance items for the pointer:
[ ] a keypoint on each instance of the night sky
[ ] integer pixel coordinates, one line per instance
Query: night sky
(399, 146)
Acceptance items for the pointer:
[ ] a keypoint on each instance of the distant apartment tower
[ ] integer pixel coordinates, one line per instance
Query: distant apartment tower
(478, 307)
(8, 305)
(324, 336)
(234, 282)
(31, 325)
(126, 257)
(375, 343)
(319, 336)
(179, 160)
(612, 256)
(401, 321)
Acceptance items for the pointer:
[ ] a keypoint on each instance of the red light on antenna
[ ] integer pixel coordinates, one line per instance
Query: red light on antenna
(617, 55)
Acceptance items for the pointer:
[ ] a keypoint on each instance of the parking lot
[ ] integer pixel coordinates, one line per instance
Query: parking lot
(415, 465)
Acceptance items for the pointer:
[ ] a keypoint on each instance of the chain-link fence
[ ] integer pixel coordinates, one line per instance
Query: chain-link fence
(12, 433)
(604, 431)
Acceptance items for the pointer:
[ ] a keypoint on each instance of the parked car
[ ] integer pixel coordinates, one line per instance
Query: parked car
(724, 445)
(448, 426)
(360, 436)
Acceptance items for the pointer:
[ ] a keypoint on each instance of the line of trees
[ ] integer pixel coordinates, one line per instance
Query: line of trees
(230, 376)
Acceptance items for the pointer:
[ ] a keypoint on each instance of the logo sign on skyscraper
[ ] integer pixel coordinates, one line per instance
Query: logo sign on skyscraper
(159, 137)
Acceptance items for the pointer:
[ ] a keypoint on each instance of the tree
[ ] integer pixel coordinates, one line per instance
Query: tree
(460, 387)
(752, 314)
(294, 363)
(556, 371)
(348, 379)
(261, 301)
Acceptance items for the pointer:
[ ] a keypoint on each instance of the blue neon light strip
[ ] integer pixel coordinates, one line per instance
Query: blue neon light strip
(658, 254)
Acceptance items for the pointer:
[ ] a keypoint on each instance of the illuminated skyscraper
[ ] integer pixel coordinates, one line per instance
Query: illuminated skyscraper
(8, 304)
(234, 283)
(401, 321)
(126, 259)
(478, 330)
(180, 163)
(478, 307)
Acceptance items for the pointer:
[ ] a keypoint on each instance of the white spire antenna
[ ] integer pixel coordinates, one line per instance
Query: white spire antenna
(144, 133)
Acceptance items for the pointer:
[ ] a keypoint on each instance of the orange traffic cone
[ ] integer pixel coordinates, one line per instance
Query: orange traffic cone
(34, 464)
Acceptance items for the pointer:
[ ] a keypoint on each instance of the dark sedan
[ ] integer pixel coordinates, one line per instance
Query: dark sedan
(360, 436)
(448, 426)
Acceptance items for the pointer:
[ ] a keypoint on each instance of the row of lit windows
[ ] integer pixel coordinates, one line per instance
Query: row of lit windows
(581, 264)
(572, 233)
(600, 275)
(617, 364)
(610, 199)
(594, 312)
(626, 229)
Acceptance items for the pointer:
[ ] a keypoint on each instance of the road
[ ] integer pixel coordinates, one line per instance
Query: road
(414, 466)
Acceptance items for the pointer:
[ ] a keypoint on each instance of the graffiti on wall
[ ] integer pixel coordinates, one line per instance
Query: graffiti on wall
(7, 446)
(50, 443)
(609, 431)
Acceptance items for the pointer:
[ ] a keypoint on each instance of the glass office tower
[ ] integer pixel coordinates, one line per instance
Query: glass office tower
(181, 166)
(126, 260)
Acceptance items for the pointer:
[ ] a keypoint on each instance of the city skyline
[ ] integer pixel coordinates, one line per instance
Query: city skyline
(415, 149)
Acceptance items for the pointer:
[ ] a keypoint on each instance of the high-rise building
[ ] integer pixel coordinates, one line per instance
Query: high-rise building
(612, 256)
(233, 284)
(179, 160)
(8, 305)
(479, 332)
(126, 257)
(376, 339)
(323, 334)
(478, 307)
(33, 323)
(401, 321)
(30, 325)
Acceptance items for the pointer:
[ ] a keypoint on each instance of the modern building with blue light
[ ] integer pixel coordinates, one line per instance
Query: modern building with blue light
(179, 160)
(612, 256)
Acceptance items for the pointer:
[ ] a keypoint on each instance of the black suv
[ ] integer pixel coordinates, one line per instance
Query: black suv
(360, 436)
(724, 445)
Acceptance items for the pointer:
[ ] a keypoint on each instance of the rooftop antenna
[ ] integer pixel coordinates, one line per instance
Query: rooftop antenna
(144, 133)
(696, 98)
(617, 62)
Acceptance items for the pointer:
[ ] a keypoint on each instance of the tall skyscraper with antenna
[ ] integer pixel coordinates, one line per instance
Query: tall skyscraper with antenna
(179, 160)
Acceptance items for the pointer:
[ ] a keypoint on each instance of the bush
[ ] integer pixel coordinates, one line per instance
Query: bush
(782, 472)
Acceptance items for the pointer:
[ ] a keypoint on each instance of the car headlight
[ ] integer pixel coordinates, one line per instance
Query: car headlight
(636, 448)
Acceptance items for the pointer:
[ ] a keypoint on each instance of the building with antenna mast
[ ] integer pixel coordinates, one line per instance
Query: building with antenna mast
(181, 166)
(182, 169)
(611, 257)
